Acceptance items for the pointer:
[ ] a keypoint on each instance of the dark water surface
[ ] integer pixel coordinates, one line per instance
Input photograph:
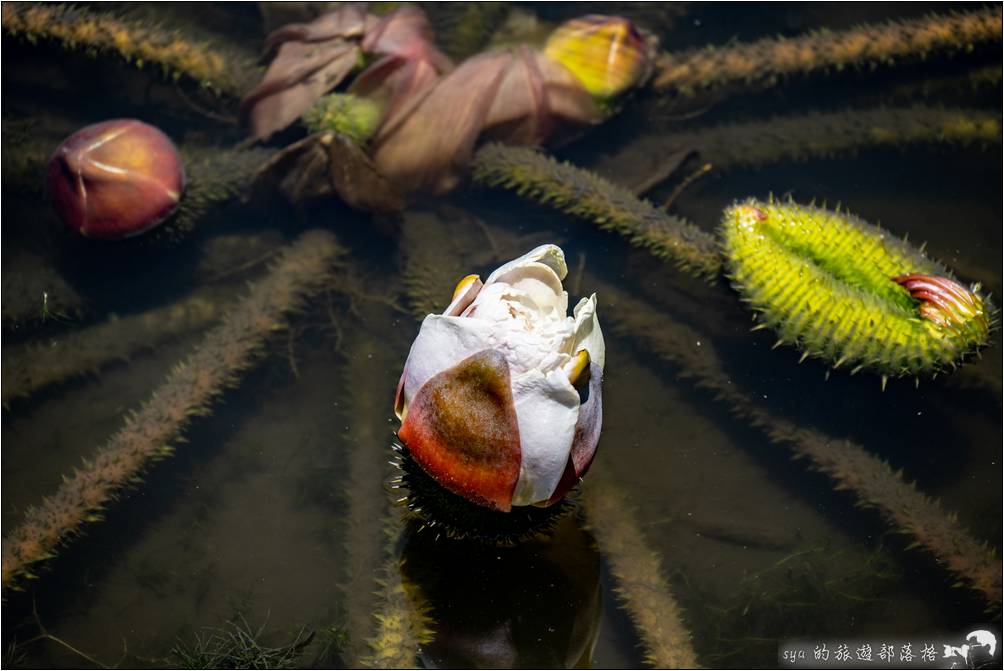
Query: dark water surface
(274, 508)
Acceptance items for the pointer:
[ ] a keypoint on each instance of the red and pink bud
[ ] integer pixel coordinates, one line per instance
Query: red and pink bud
(945, 302)
(115, 179)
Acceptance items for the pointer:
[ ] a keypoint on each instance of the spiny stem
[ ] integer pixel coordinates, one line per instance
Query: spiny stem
(819, 135)
(188, 391)
(431, 265)
(215, 176)
(871, 480)
(641, 588)
(368, 438)
(584, 194)
(404, 621)
(765, 62)
(80, 29)
(33, 366)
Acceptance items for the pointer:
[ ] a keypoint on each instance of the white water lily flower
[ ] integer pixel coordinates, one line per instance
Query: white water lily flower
(500, 397)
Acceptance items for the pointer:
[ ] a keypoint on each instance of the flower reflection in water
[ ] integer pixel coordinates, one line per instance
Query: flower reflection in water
(536, 605)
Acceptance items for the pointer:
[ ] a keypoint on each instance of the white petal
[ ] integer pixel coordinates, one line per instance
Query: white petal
(549, 255)
(442, 343)
(588, 335)
(538, 287)
(463, 296)
(547, 409)
(527, 350)
(493, 304)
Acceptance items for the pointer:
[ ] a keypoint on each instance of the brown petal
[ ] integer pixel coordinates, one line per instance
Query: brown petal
(348, 21)
(409, 66)
(407, 33)
(520, 113)
(431, 147)
(357, 181)
(398, 85)
(461, 428)
(295, 80)
(539, 102)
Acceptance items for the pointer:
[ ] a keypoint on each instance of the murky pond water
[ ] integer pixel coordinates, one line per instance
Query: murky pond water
(695, 537)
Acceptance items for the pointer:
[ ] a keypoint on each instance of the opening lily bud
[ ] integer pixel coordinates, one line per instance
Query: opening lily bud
(115, 179)
(606, 53)
(948, 304)
(488, 399)
(847, 292)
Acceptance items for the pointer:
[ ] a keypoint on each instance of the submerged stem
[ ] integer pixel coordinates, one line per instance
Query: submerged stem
(641, 588)
(814, 135)
(872, 481)
(227, 350)
(584, 194)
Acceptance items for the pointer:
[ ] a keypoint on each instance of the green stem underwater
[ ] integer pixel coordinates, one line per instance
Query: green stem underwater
(33, 366)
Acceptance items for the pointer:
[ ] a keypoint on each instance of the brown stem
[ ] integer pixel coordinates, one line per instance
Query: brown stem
(404, 621)
(815, 135)
(368, 408)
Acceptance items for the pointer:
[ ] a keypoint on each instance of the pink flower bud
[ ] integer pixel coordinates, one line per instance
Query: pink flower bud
(115, 179)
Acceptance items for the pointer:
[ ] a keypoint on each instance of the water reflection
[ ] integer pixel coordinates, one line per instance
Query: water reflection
(536, 605)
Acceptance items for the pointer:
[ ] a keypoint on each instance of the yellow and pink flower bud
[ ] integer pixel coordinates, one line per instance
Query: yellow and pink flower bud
(607, 54)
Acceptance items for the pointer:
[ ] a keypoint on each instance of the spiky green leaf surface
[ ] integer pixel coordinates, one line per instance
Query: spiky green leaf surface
(823, 281)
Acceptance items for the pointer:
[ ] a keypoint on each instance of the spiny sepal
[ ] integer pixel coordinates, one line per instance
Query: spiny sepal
(848, 292)
(352, 116)
(453, 516)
